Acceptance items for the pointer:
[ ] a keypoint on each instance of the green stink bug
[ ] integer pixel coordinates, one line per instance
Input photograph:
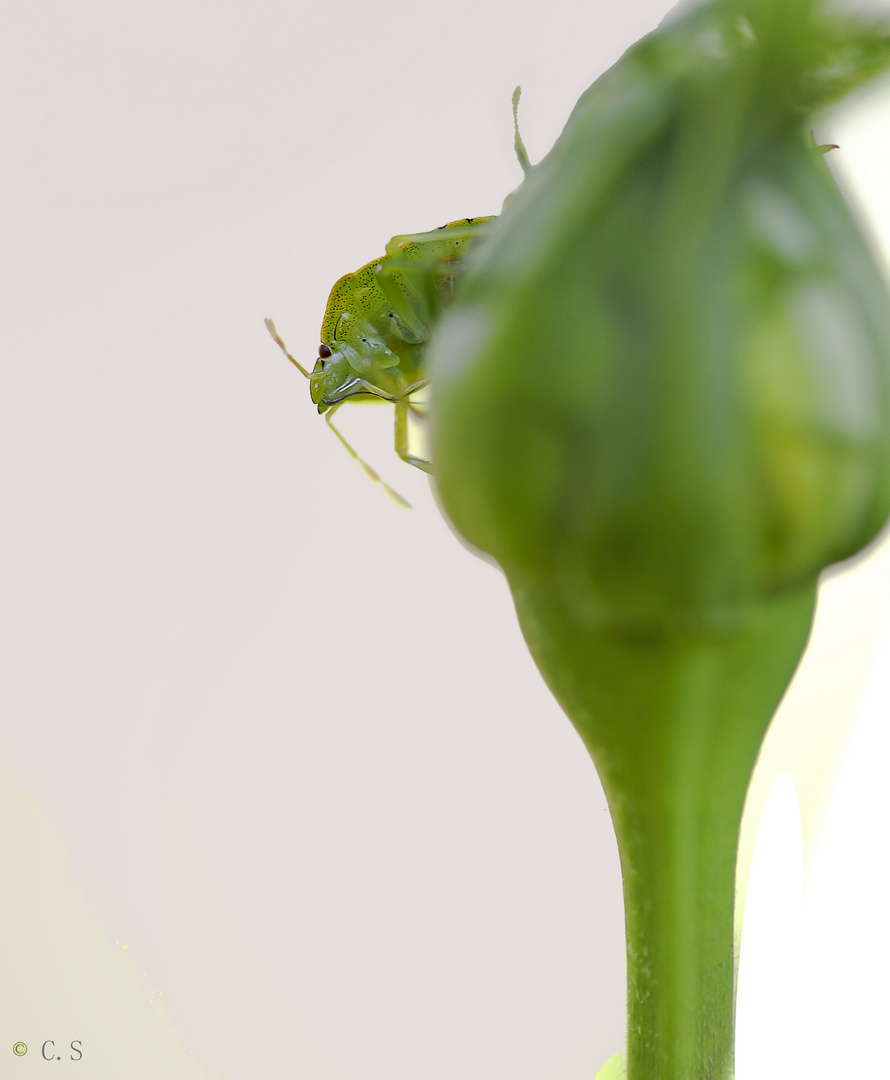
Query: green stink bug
(377, 323)
(376, 326)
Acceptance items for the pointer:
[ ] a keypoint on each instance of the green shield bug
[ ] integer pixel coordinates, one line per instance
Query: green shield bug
(378, 321)
(375, 330)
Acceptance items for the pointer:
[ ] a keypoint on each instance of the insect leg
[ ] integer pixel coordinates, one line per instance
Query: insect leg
(372, 474)
(414, 387)
(270, 326)
(416, 408)
(402, 405)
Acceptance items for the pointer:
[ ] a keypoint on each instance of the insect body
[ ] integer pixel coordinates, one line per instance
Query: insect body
(376, 325)
(378, 320)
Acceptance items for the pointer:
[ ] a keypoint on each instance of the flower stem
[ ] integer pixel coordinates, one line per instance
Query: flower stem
(674, 720)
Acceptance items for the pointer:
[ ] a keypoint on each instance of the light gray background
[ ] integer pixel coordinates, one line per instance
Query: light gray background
(282, 793)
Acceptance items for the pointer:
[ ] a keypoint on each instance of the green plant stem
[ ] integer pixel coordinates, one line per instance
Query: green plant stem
(674, 720)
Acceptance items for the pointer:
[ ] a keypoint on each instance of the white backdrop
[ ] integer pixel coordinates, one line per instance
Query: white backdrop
(282, 793)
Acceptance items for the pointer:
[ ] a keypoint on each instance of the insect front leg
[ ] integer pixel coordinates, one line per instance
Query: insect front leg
(371, 473)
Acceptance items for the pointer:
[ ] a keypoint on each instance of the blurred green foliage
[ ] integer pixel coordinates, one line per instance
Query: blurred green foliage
(662, 405)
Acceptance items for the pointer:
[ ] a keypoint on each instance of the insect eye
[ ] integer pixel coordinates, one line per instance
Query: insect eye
(324, 352)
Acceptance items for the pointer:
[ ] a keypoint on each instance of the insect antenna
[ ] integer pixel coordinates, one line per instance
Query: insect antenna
(270, 326)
